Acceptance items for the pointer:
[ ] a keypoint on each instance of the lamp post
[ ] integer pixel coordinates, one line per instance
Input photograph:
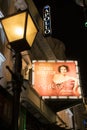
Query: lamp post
(20, 31)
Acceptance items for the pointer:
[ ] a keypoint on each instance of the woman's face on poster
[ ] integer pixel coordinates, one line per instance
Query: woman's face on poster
(63, 70)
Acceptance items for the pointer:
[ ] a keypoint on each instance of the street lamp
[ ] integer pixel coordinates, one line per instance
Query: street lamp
(20, 31)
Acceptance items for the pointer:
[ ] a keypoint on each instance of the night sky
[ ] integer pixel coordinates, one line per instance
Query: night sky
(67, 20)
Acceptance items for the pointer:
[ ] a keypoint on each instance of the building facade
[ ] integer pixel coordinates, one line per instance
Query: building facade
(35, 114)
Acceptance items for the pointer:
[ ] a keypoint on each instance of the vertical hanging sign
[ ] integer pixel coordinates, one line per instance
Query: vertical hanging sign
(47, 21)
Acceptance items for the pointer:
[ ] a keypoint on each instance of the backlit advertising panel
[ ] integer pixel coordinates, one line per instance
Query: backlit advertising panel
(56, 79)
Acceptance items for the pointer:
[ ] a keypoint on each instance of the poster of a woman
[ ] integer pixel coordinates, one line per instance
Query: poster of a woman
(56, 78)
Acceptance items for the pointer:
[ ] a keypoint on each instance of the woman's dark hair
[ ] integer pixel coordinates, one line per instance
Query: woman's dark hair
(67, 68)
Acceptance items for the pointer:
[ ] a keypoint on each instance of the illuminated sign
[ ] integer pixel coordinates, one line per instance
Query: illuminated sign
(47, 20)
(56, 79)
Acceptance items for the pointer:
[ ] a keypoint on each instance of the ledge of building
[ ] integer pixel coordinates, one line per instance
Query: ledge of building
(36, 105)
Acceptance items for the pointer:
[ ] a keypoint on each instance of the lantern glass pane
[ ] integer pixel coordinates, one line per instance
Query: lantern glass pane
(14, 26)
(31, 31)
